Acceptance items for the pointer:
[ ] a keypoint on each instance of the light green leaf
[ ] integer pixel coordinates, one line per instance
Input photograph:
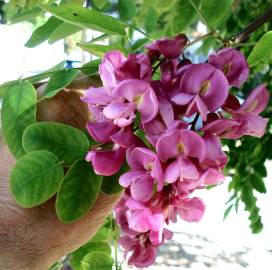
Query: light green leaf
(262, 50)
(78, 192)
(183, 14)
(45, 74)
(66, 142)
(77, 256)
(26, 14)
(43, 32)
(5, 86)
(97, 49)
(104, 233)
(35, 178)
(18, 112)
(97, 261)
(139, 44)
(58, 81)
(100, 3)
(150, 19)
(87, 18)
(62, 31)
(212, 13)
(127, 9)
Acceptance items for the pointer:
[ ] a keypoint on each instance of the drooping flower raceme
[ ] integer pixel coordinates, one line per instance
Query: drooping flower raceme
(169, 131)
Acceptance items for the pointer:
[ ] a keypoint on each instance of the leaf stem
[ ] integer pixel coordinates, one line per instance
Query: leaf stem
(248, 30)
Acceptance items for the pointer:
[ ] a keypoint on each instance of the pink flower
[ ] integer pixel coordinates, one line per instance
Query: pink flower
(199, 90)
(246, 119)
(233, 63)
(136, 95)
(145, 171)
(102, 160)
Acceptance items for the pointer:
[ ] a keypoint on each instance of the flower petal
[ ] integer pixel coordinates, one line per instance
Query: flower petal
(142, 188)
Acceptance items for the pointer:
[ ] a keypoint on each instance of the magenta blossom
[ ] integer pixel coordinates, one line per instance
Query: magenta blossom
(181, 145)
(136, 95)
(169, 48)
(245, 118)
(233, 63)
(115, 67)
(203, 89)
(145, 171)
(102, 160)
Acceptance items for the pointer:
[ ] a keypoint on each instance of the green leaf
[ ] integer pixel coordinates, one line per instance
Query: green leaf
(100, 3)
(104, 232)
(262, 50)
(58, 81)
(45, 74)
(43, 32)
(111, 184)
(214, 11)
(150, 19)
(66, 142)
(35, 178)
(139, 44)
(62, 31)
(183, 14)
(5, 86)
(18, 112)
(97, 49)
(78, 192)
(91, 67)
(127, 9)
(226, 213)
(87, 18)
(257, 182)
(77, 256)
(97, 261)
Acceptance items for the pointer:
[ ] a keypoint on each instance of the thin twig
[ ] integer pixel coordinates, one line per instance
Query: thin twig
(193, 126)
(199, 13)
(246, 32)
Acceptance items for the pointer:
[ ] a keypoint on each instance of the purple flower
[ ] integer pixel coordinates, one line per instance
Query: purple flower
(203, 89)
(233, 63)
(102, 160)
(145, 171)
(169, 48)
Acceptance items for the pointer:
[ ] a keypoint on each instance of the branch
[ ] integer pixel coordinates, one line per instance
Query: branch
(246, 32)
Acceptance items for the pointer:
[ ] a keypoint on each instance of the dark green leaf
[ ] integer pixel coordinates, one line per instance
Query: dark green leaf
(78, 192)
(97, 261)
(18, 112)
(87, 18)
(262, 50)
(58, 81)
(77, 256)
(127, 9)
(35, 178)
(226, 213)
(43, 32)
(66, 142)
(111, 183)
(257, 182)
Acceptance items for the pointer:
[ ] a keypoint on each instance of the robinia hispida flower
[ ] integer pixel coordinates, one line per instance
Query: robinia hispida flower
(183, 114)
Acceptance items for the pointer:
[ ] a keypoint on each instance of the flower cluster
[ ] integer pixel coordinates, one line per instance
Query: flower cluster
(182, 114)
